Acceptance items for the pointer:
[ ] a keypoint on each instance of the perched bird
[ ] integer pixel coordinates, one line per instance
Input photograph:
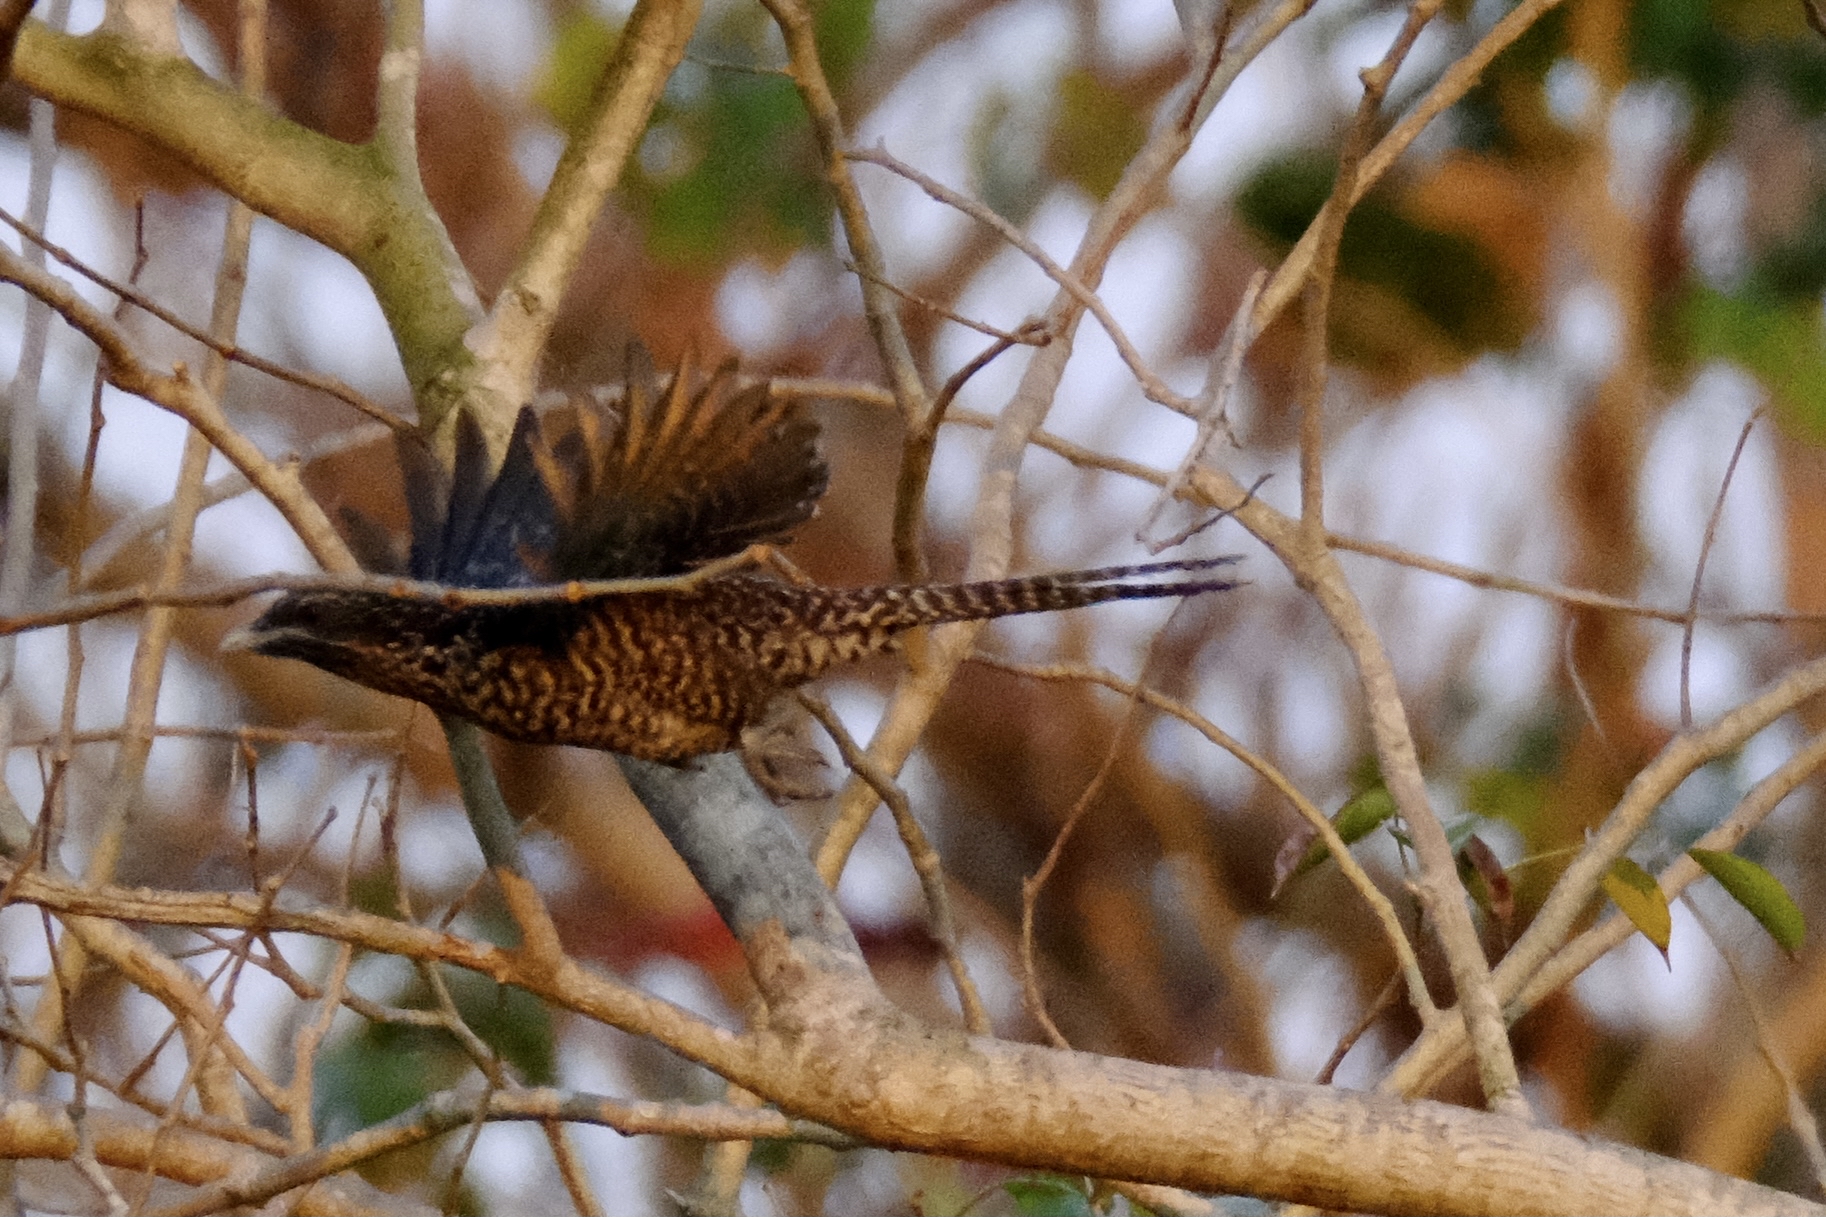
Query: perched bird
(665, 484)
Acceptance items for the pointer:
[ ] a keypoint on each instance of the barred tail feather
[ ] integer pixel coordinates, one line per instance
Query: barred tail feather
(904, 608)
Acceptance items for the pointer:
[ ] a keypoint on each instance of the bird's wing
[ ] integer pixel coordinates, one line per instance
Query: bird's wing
(680, 477)
(473, 530)
(664, 480)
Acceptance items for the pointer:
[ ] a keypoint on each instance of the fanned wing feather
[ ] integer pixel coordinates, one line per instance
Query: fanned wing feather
(518, 522)
(683, 478)
(669, 480)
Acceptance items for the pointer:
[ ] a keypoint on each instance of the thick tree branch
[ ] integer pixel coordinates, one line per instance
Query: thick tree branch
(512, 340)
(339, 194)
(836, 1052)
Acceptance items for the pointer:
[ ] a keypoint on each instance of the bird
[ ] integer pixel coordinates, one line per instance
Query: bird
(656, 485)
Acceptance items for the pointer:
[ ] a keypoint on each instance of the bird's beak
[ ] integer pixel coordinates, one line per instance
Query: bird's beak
(247, 638)
(258, 637)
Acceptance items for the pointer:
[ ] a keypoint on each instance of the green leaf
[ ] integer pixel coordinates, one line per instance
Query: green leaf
(1049, 1196)
(1359, 817)
(1759, 892)
(1635, 891)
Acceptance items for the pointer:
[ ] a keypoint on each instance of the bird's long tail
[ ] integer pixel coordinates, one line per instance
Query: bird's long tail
(849, 623)
(937, 604)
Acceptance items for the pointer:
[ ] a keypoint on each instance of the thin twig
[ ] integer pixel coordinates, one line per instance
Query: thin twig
(328, 385)
(512, 340)
(1152, 386)
(926, 862)
(1699, 570)
(1801, 1122)
(1353, 871)
(1024, 335)
(449, 1110)
(1213, 412)
(916, 461)
(807, 69)
(178, 393)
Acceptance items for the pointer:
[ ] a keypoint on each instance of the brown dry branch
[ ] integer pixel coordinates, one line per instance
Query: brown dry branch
(1353, 871)
(510, 342)
(179, 393)
(330, 386)
(991, 532)
(799, 30)
(926, 862)
(834, 1051)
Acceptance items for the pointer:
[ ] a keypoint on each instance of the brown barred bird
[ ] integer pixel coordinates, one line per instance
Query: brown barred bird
(667, 483)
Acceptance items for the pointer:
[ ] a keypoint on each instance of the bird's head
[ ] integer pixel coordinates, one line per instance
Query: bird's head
(345, 631)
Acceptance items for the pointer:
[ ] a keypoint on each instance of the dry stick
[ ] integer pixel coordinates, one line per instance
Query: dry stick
(1354, 873)
(1152, 386)
(1379, 1005)
(483, 1054)
(85, 608)
(449, 1110)
(179, 394)
(1553, 593)
(328, 385)
(1090, 459)
(1806, 1129)
(1456, 81)
(283, 735)
(1213, 413)
(991, 530)
(1699, 570)
(14, 1032)
(916, 463)
(124, 786)
(134, 529)
(1327, 232)
(799, 31)
(1441, 891)
(205, 1068)
(20, 529)
(1164, 1199)
(511, 341)
(1569, 659)
(453, 1187)
(49, 829)
(926, 862)
(1201, 1107)
(1545, 969)
(297, 1109)
(1032, 885)
(449, 1019)
(1019, 336)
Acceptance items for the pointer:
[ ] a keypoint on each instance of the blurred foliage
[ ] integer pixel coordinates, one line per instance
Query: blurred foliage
(379, 1070)
(1049, 1196)
(1472, 309)
(1775, 340)
(728, 166)
(1096, 132)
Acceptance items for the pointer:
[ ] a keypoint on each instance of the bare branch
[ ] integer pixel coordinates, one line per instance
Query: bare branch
(512, 339)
